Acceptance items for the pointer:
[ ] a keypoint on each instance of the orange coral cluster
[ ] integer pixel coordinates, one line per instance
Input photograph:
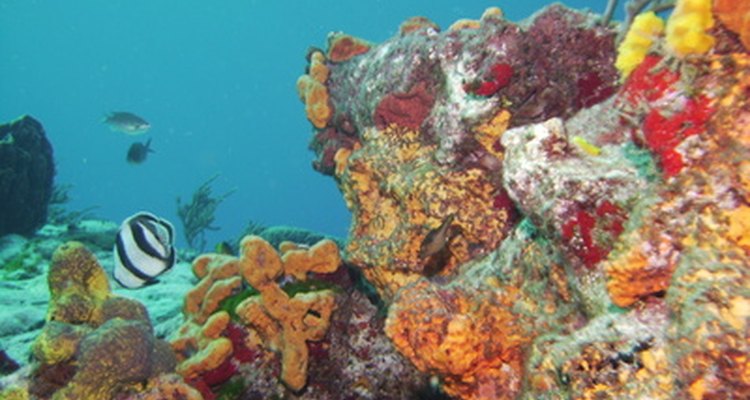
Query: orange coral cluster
(199, 343)
(343, 47)
(693, 246)
(736, 16)
(399, 195)
(286, 323)
(283, 323)
(415, 24)
(312, 91)
(471, 339)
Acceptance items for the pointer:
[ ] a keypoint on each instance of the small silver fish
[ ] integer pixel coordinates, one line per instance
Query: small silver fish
(126, 122)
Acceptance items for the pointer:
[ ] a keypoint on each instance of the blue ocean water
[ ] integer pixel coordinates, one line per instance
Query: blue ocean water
(216, 80)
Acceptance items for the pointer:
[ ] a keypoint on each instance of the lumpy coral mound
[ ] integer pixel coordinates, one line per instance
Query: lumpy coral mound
(540, 230)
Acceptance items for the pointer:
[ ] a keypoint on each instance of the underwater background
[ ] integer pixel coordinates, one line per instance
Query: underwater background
(217, 83)
(474, 200)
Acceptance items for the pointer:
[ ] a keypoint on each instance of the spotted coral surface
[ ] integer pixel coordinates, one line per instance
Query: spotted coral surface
(95, 345)
(594, 235)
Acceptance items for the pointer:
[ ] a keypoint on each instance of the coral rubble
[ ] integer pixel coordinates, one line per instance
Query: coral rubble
(547, 220)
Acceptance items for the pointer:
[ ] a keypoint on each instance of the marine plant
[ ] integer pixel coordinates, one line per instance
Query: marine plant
(198, 216)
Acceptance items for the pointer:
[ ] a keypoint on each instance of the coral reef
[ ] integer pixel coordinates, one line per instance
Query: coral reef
(284, 323)
(736, 17)
(94, 344)
(418, 150)
(686, 30)
(290, 316)
(645, 29)
(538, 230)
(27, 170)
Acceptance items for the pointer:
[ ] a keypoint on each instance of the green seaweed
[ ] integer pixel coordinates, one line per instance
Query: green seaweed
(291, 289)
(642, 160)
(230, 303)
(198, 216)
(232, 390)
(311, 285)
(15, 264)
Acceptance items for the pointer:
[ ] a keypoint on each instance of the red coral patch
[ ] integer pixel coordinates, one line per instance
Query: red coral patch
(649, 82)
(405, 109)
(663, 134)
(498, 78)
(596, 232)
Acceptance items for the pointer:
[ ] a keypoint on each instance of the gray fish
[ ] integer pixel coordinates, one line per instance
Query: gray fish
(126, 122)
(436, 239)
(138, 152)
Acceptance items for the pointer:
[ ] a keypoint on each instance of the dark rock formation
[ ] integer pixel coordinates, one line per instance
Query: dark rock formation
(26, 173)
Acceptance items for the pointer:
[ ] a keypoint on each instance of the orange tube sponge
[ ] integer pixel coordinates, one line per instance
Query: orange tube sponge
(201, 348)
(736, 16)
(286, 323)
(283, 323)
(687, 26)
(199, 344)
(317, 104)
(323, 257)
(318, 69)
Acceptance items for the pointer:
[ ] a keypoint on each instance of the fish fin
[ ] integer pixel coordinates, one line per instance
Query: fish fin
(150, 282)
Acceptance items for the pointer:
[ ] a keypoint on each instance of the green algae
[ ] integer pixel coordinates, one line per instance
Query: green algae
(643, 162)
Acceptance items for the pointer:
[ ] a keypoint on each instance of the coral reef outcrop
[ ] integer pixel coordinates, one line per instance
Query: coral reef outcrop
(542, 226)
(95, 345)
(27, 170)
(265, 316)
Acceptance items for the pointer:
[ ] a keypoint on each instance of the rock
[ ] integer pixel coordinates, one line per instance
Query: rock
(7, 364)
(27, 170)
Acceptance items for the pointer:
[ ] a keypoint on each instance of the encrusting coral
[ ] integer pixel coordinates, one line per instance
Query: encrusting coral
(736, 16)
(281, 322)
(105, 342)
(586, 244)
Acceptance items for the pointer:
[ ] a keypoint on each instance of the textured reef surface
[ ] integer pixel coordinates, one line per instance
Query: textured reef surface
(552, 209)
(549, 214)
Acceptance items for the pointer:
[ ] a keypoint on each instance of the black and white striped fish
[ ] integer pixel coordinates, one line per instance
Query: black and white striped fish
(144, 249)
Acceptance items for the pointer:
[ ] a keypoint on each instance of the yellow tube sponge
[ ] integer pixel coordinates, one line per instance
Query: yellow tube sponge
(687, 26)
(645, 29)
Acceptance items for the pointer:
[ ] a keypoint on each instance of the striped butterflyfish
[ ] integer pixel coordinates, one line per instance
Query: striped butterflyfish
(144, 249)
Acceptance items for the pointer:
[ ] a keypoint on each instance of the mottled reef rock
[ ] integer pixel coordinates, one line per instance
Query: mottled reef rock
(545, 222)
(27, 170)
